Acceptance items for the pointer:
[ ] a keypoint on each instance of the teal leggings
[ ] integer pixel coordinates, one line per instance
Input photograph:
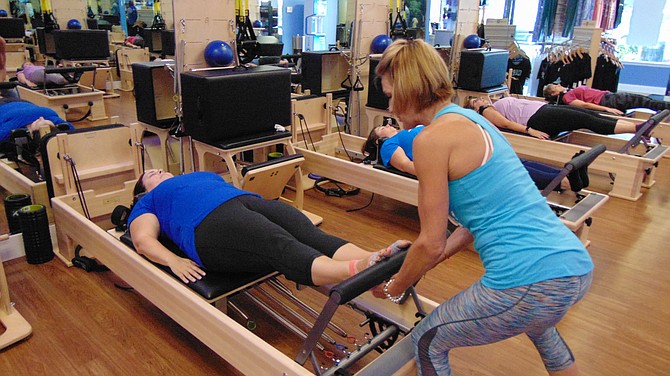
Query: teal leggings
(480, 315)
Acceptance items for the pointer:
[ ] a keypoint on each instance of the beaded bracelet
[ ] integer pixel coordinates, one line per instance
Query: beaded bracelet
(395, 299)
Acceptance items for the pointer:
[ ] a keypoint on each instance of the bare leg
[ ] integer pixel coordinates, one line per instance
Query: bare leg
(327, 271)
(570, 371)
(623, 126)
(350, 252)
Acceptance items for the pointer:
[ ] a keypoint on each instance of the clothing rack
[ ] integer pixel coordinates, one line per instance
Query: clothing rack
(609, 51)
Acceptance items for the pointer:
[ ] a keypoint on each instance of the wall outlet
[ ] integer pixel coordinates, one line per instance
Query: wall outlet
(289, 9)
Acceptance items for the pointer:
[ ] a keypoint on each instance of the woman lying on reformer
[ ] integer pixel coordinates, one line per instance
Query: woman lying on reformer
(225, 229)
(392, 147)
(544, 121)
(16, 114)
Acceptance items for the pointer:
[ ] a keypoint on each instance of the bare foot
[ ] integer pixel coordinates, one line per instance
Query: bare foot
(375, 257)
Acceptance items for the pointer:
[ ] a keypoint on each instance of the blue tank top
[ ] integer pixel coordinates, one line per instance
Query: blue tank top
(518, 237)
(182, 202)
(402, 139)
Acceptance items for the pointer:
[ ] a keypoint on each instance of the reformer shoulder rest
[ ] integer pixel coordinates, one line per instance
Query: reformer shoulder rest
(255, 166)
(212, 285)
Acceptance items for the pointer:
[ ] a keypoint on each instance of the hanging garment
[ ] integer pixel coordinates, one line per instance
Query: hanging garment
(606, 76)
(544, 24)
(520, 66)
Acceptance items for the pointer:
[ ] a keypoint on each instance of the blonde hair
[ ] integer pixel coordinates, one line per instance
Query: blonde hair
(419, 75)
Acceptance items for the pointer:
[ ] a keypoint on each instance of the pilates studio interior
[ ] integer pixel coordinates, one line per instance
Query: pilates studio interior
(278, 98)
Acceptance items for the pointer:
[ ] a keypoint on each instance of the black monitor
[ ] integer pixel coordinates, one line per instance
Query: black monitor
(12, 28)
(233, 105)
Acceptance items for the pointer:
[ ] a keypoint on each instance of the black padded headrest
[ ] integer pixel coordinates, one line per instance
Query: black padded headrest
(394, 170)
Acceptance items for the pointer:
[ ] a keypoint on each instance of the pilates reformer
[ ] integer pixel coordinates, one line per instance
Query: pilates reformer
(63, 98)
(660, 132)
(631, 163)
(633, 169)
(194, 312)
(332, 159)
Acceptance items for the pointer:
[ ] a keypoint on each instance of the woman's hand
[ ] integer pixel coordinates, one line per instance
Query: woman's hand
(378, 291)
(538, 134)
(614, 111)
(186, 269)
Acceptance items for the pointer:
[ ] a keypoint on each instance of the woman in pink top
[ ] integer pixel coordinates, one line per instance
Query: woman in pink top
(601, 100)
(543, 120)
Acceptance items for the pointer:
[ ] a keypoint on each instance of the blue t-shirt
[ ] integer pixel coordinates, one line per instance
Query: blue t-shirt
(182, 202)
(402, 139)
(518, 237)
(19, 114)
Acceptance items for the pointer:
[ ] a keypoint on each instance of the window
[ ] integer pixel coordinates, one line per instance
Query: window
(631, 44)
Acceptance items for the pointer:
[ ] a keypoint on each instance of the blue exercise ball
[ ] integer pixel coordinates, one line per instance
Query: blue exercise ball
(74, 24)
(3, 13)
(218, 54)
(257, 24)
(379, 43)
(472, 41)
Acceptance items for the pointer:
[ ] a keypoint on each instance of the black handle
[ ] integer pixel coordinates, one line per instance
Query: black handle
(586, 158)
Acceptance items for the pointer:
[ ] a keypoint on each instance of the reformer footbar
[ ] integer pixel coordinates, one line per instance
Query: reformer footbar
(343, 293)
(644, 131)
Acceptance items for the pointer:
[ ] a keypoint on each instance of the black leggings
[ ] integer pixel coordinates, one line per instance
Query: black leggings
(626, 101)
(552, 119)
(250, 234)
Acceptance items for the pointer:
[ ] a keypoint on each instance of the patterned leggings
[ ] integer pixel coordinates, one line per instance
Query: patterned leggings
(480, 315)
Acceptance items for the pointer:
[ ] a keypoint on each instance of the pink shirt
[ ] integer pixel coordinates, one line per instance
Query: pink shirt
(584, 94)
(517, 110)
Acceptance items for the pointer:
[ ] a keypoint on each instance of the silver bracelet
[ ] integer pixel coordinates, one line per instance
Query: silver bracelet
(394, 299)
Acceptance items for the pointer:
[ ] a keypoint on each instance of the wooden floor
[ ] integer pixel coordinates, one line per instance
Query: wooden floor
(84, 325)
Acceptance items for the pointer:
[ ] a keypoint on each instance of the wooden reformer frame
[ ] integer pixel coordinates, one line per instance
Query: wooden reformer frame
(661, 131)
(86, 97)
(249, 354)
(631, 172)
(330, 159)
(16, 327)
